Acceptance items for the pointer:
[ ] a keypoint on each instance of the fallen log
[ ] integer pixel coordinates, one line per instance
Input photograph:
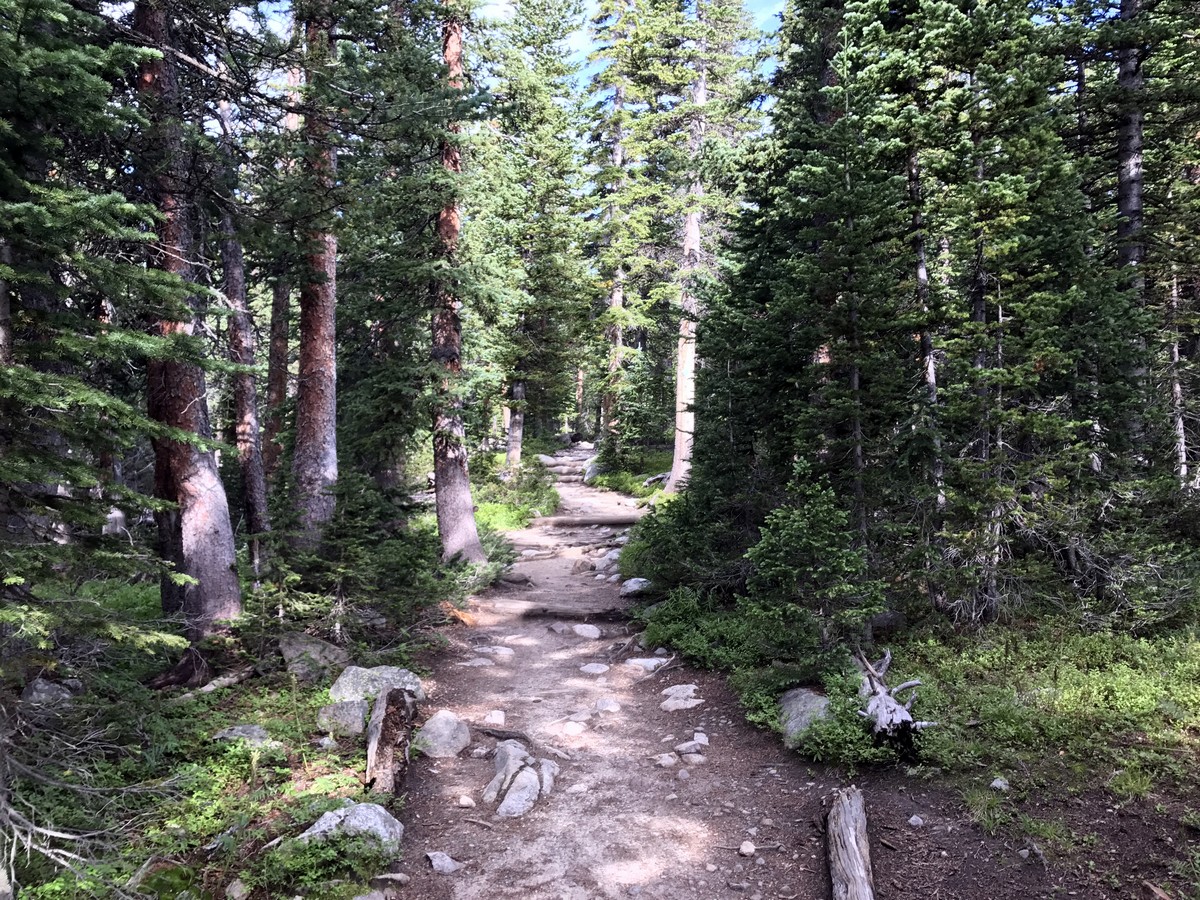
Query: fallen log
(849, 850)
(890, 716)
(389, 729)
(630, 518)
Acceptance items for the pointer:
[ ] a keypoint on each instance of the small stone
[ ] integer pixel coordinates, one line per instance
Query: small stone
(666, 760)
(700, 738)
(327, 742)
(613, 579)
(761, 861)
(688, 747)
(747, 848)
(390, 879)
(582, 716)
(677, 691)
(766, 822)
(634, 586)
(661, 651)
(593, 669)
(999, 784)
(465, 802)
(579, 788)
(753, 832)
(739, 885)
(672, 797)
(695, 759)
(495, 717)
(667, 739)
(501, 652)
(709, 867)
(648, 664)
(591, 632)
(607, 704)
(1023, 853)
(237, 890)
(916, 821)
(559, 627)
(548, 769)
(601, 577)
(443, 864)
(574, 729)
(581, 566)
(676, 704)
(683, 774)
(253, 735)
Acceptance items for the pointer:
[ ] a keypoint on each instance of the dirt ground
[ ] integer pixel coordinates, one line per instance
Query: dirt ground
(618, 824)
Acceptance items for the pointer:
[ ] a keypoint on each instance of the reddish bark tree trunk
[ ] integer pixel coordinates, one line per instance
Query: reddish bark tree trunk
(452, 485)
(314, 464)
(195, 535)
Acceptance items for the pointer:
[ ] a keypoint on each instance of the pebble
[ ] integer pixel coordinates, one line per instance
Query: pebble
(495, 717)
(466, 802)
(443, 864)
(672, 796)
(916, 821)
(559, 627)
(675, 704)
(607, 704)
(590, 632)
(594, 669)
(666, 760)
(695, 759)
(747, 848)
(580, 788)
(1000, 784)
(700, 738)
(1023, 853)
(688, 747)
(683, 774)
(767, 823)
(709, 867)
(680, 690)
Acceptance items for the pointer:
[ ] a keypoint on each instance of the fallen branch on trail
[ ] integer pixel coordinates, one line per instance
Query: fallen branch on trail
(849, 850)
(890, 716)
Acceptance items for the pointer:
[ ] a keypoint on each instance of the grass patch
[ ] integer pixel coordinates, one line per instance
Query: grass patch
(635, 467)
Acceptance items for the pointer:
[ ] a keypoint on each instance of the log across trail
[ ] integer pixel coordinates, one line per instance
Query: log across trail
(629, 773)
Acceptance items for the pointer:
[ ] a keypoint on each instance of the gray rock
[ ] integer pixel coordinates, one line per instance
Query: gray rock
(254, 735)
(390, 879)
(443, 735)
(591, 469)
(356, 683)
(1000, 784)
(465, 802)
(591, 632)
(559, 627)
(700, 738)
(479, 662)
(646, 664)
(42, 692)
(613, 555)
(747, 848)
(501, 652)
(613, 579)
(799, 708)
(581, 566)
(607, 704)
(594, 669)
(310, 658)
(694, 759)
(548, 460)
(511, 757)
(522, 793)
(327, 743)
(675, 704)
(574, 729)
(666, 760)
(495, 717)
(237, 890)
(688, 747)
(347, 718)
(916, 821)
(365, 820)
(680, 691)
(634, 586)
(443, 864)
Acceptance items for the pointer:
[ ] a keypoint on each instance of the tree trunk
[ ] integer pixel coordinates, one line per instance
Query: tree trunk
(685, 354)
(1131, 248)
(245, 391)
(314, 463)
(277, 372)
(452, 483)
(580, 424)
(6, 326)
(516, 427)
(609, 426)
(195, 534)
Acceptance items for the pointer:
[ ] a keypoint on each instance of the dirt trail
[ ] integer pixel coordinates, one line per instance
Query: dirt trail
(619, 824)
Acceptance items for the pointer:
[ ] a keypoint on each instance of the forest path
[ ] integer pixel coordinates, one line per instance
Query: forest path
(621, 821)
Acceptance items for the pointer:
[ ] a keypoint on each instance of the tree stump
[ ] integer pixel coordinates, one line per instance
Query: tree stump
(390, 728)
(849, 851)
(890, 716)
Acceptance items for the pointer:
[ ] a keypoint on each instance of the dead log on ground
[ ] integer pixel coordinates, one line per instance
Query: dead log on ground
(389, 729)
(849, 850)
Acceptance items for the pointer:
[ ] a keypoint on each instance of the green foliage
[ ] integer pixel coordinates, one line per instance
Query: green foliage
(312, 866)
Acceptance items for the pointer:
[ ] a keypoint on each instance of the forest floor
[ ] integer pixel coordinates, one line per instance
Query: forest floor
(620, 824)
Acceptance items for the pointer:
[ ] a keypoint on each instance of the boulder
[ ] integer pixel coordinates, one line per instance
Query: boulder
(444, 735)
(364, 820)
(591, 468)
(584, 630)
(522, 793)
(43, 692)
(547, 460)
(799, 708)
(347, 718)
(356, 683)
(310, 658)
(634, 586)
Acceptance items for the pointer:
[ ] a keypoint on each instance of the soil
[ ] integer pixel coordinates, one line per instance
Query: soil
(619, 825)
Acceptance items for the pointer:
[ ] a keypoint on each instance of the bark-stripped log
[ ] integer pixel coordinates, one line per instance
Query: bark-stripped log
(389, 729)
(849, 851)
(890, 716)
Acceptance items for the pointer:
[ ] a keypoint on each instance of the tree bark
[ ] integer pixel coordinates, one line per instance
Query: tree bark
(1131, 248)
(685, 353)
(609, 426)
(516, 427)
(245, 392)
(195, 535)
(849, 849)
(277, 372)
(452, 483)
(6, 326)
(314, 463)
